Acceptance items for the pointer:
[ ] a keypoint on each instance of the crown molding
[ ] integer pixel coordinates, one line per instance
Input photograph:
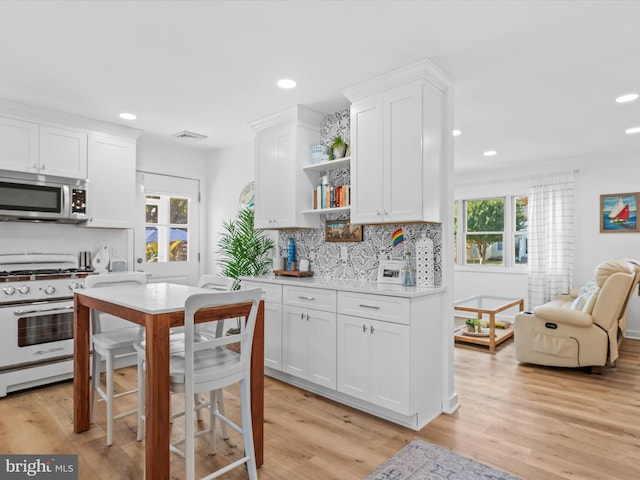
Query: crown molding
(302, 115)
(424, 71)
(43, 115)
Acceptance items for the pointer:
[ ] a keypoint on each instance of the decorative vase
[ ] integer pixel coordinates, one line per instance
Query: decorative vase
(425, 274)
(339, 151)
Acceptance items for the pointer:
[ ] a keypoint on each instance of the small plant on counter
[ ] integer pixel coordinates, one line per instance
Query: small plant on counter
(243, 250)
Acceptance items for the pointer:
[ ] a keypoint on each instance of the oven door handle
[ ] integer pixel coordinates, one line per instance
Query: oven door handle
(42, 310)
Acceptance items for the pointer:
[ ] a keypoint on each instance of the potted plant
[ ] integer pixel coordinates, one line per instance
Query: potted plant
(244, 251)
(338, 147)
(473, 325)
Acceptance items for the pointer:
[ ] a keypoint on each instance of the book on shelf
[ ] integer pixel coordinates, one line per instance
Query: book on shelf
(327, 196)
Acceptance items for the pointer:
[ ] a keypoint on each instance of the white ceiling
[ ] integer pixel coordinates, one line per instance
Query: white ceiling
(535, 80)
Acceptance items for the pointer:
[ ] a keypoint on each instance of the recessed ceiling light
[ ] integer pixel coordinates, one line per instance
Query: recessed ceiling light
(627, 97)
(490, 153)
(286, 83)
(632, 130)
(128, 116)
(456, 133)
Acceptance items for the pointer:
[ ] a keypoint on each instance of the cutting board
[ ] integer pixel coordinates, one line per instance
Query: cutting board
(292, 273)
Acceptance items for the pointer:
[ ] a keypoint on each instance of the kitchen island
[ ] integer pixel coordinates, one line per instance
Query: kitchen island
(373, 346)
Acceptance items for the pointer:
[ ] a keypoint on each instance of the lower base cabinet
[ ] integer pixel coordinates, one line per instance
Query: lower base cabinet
(309, 346)
(272, 296)
(377, 352)
(373, 362)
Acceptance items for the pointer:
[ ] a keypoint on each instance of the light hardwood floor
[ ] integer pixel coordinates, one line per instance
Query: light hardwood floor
(533, 422)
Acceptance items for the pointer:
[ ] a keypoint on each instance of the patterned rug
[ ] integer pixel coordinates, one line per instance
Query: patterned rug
(422, 461)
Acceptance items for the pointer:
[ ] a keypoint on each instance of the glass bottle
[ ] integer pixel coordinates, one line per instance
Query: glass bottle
(407, 274)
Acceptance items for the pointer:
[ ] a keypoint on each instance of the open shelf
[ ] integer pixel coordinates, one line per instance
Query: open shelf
(329, 210)
(328, 165)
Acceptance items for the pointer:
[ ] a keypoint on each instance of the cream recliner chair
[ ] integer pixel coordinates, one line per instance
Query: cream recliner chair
(576, 330)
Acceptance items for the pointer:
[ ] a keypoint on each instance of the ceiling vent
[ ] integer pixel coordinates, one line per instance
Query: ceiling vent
(186, 136)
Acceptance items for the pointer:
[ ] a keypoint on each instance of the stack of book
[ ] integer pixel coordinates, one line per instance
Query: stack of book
(327, 196)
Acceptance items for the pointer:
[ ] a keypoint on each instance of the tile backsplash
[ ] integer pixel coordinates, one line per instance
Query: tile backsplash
(360, 260)
(356, 260)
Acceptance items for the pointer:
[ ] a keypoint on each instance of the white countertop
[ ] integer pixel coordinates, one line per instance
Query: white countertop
(359, 286)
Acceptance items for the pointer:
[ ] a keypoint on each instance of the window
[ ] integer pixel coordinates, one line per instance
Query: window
(492, 232)
(167, 229)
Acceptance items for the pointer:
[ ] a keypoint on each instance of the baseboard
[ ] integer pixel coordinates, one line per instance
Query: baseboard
(634, 334)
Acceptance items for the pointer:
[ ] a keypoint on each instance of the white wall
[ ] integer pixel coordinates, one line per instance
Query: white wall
(596, 176)
(229, 170)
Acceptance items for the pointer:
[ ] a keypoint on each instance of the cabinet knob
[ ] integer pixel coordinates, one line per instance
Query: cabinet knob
(42, 167)
(364, 328)
(372, 329)
(364, 305)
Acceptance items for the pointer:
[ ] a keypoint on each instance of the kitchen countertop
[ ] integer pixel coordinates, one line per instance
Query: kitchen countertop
(358, 286)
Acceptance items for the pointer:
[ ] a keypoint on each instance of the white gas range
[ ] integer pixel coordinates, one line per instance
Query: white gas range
(36, 315)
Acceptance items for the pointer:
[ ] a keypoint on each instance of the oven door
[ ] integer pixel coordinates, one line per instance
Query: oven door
(35, 333)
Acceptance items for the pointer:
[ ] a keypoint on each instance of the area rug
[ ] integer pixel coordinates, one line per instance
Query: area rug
(422, 461)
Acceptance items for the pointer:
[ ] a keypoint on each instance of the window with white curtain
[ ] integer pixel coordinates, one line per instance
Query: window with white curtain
(491, 232)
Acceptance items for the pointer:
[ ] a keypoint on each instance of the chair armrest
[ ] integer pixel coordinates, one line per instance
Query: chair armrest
(564, 297)
(565, 316)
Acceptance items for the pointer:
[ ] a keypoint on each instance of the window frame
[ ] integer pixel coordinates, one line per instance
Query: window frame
(508, 236)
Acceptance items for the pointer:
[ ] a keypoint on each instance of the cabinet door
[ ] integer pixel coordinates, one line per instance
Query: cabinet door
(367, 161)
(18, 145)
(275, 178)
(112, 182)
(353, 356)
(321, 338)
(273, 335)
(402, 136)
(294, 341)
(390, 366)
(63, 152)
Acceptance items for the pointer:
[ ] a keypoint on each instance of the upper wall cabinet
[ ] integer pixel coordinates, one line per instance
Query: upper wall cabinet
(282, 147)
(398, 128)
(63, 152)
(30, 147)
(112, 182)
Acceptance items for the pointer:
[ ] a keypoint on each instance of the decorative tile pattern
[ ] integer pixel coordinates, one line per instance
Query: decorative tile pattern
(362, 258)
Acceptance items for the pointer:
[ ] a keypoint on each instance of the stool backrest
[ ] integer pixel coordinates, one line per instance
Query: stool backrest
(215, 282)
(109, 280)
(211, 379)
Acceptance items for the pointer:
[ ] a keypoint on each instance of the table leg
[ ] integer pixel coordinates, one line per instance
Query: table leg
(157, 428)
(492, 332)
(257, 386)
(81, 385)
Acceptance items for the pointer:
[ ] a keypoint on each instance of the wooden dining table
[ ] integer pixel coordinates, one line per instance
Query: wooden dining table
(157, 307)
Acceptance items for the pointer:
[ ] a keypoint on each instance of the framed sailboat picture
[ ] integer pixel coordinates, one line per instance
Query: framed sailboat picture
(618, 213)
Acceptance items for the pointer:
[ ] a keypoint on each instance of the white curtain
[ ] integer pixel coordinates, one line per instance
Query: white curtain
(551, 236)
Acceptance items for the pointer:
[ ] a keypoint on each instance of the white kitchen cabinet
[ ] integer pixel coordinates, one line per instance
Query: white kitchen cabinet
(364, 345)
(282, 147)
(373, 362)
(397, 128)
(63, 152)
(272, 296)
(309, 345)
(30, 147)
(309, 334)
(18, 145)
(112, 182)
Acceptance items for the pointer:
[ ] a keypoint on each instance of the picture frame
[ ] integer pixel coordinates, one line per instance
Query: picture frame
(389, 271)
(342, 231)
(618, 213)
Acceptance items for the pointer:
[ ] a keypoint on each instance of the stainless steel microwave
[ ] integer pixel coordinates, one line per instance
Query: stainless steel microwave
(34, 197)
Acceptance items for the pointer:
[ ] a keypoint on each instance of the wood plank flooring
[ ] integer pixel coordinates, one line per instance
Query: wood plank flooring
(533, 422)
